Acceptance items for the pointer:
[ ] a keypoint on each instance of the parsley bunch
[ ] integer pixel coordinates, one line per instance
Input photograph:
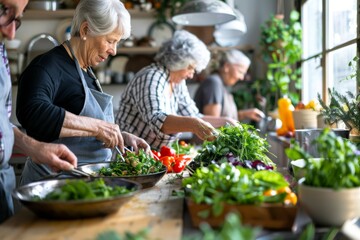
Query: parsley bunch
(236, 144)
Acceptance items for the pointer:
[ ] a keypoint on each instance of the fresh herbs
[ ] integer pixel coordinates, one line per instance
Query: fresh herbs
(339, 164)
(234, 144)
(233, 185)
(344, 107)
(82, 190)
(232, 229)
(134, 165)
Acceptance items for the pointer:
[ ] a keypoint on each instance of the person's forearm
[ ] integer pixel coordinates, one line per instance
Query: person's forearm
(23, 142)
(218, 121)
(241, 115)
(175, 124)
(78, 126)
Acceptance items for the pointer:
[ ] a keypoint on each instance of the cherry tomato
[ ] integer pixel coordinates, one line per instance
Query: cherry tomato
(269, 192)
(283, 189)
(290, 198)
(156, 155)
(168, 161)
(183, 143)
(167, 151)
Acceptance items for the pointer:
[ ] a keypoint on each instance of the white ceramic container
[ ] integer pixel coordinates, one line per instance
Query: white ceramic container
(329, 207)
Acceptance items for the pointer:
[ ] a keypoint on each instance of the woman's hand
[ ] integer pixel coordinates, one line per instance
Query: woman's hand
(253, 114)
(110, 135)
(136, 142)
(204, 130)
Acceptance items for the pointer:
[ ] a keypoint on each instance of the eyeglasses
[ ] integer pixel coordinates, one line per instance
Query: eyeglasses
(7, 16)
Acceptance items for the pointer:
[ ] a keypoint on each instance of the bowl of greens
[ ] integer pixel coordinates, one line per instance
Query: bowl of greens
(239, 145)
(141, 168)
(330, 190)
(76, 198)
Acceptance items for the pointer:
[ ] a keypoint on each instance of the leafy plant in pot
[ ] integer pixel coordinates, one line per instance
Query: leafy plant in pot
(330, 190)
(281, 50)
(344, 107)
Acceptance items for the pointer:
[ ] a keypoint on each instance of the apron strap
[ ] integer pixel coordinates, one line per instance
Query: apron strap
(92, 75)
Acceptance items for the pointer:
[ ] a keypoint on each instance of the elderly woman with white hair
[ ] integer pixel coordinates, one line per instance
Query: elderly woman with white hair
(213, 98)
(60, 99)
(156, 104)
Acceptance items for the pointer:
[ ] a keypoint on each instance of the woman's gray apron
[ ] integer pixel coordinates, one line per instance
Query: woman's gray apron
(7, 175)
(228, 107)
(87, 149)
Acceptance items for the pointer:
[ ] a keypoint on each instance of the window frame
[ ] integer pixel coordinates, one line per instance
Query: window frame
(326, 51)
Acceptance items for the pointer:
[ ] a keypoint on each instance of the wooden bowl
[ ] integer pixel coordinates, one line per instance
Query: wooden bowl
(270, 216)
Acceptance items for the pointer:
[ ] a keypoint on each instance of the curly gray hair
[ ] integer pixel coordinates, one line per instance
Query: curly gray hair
(182, 50)
(103, 16)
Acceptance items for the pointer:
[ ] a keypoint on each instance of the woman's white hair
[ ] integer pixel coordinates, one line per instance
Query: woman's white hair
(103, 17)
(234, 56)
(182, 50)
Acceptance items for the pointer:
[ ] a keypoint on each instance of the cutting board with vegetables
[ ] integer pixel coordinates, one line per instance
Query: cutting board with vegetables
(154, 208)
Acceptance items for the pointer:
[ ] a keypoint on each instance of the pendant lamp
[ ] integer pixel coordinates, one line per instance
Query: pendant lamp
(204, 13)
(229, 34)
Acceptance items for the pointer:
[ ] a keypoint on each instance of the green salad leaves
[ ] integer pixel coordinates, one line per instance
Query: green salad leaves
(233, 185)
(239, 145)
(83, 190)
(339, 164)
(135, 164)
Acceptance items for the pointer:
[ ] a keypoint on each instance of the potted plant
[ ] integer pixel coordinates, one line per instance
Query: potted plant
(281, 50)
(343, 107)
(263, 198)
(330, 190)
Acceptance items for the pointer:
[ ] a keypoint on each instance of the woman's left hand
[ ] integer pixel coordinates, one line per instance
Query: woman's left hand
(136, 142)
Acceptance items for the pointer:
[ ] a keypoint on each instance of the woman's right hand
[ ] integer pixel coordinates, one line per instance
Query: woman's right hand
(204, 130)
(110, 135)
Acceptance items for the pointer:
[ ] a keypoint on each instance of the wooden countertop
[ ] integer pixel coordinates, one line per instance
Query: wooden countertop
(154, 207)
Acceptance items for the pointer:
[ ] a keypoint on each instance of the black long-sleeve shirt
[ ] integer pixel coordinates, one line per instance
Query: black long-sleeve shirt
(49, 85)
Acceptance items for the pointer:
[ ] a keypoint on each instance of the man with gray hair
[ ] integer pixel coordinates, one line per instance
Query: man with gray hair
(213, 98)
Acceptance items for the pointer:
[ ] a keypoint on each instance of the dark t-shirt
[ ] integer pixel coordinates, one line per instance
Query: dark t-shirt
(210, 91)
(49, 85)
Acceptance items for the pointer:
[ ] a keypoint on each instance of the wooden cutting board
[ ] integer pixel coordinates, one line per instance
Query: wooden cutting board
(155, 208)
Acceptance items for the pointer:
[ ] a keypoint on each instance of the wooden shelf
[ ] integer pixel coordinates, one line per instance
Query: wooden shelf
(32, 14)
(153, 50)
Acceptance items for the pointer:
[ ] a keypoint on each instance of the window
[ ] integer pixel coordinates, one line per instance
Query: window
(329, 44)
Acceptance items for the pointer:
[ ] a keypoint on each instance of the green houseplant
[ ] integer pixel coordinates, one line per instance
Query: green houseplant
(343, 107)
(281, 51)
(330, 190)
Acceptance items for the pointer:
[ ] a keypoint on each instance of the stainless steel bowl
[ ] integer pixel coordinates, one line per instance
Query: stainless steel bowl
(50, 5)
(76, 208)
(147, 180)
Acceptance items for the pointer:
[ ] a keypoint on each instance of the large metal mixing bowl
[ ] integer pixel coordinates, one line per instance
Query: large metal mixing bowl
(75, 208)
(147, 180)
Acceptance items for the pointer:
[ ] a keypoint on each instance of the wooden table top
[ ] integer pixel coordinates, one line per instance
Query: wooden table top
(155, 208)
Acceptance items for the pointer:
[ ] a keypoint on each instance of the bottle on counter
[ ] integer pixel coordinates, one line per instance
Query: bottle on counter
(286, 109)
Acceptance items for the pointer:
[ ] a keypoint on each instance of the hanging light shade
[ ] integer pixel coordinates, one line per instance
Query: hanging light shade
(204, 13)
(229, 34)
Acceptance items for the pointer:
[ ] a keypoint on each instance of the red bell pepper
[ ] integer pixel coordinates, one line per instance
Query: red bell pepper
(167, 151)
(168, 161)
(156, 155)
